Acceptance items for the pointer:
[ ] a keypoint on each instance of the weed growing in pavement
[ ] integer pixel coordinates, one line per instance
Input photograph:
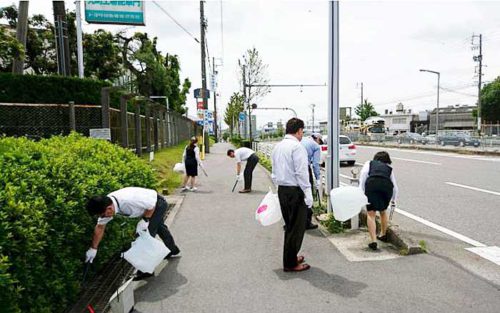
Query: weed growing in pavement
(333, 226)
(423, 245)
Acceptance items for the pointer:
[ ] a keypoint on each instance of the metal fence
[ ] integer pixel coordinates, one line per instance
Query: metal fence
(149, 128)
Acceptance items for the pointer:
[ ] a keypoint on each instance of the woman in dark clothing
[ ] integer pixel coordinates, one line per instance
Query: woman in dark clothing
(379, 185)
(192, 160)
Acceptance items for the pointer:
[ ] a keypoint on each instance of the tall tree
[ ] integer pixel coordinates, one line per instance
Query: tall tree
(365, 110)
(234, 107)
(102, 58)
(490, 101)
(255, 73)
(10, 49)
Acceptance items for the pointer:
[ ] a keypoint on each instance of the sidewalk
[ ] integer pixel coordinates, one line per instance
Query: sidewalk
(231, 264)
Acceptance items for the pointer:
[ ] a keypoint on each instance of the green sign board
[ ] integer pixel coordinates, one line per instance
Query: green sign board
(115, 12)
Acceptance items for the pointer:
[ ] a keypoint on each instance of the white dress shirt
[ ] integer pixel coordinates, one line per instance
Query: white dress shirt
(131, 202)
(242, 154)
(363, 176)
(290, 165)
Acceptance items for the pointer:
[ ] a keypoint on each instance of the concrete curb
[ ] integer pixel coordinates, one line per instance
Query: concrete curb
(427, 148)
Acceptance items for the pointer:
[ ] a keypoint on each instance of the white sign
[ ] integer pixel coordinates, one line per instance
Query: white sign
(100, 133)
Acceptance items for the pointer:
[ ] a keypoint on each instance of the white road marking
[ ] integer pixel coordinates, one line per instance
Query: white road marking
(442, 229)
(416, 161)
(474, 188)
(488, 253)
(345, 176)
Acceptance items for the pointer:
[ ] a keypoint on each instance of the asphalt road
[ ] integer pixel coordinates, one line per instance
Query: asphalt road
(433, 185)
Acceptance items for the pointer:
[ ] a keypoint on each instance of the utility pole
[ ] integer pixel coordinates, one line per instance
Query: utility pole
(21, 34)
(203, 25)
(313, 106)
(479, 58)
(244, 87)
(79, 39)
(62, 42)
(216, 127)
(361, 94)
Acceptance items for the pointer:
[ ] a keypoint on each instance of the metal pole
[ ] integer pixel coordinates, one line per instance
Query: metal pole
(203, 72)
(244, 90)
(21, 34)
(333, 98)
(480, 57)
(216, 127)
(79, 39)
(313, 105)
(437, 111)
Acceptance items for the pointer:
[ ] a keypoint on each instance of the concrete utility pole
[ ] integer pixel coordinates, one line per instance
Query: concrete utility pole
(333, 98)
(79, 39)
(312, 107)
(244, 87)
(479, 58)
(203, 25)
(216, 127)
(361, 93)
(21, 34)
(437, 108)
(62, 42)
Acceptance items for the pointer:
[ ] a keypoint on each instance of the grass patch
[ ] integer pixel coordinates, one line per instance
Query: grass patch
(332, 225)
(163, 165)
(265, 161)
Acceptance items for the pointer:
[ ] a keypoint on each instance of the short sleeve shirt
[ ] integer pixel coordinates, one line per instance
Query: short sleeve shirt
(131, 202)
(242, 154)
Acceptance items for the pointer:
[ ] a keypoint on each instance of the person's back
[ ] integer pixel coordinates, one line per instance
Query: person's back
(282, 160)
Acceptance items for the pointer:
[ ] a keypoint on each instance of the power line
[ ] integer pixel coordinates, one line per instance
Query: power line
(175, 21)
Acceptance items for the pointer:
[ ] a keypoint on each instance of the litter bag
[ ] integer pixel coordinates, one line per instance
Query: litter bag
(180, 168)
(146, 252)
(347, 202)
(269, 210)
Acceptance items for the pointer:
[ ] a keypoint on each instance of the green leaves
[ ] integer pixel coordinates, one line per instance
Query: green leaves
(44, 227)
(365, 110)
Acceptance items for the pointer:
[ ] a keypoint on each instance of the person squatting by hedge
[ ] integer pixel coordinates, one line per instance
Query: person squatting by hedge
(378, 182)
(131, 202)
(191, 159)
(241, 155)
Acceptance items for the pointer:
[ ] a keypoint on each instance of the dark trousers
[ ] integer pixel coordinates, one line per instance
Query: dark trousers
(251, 164)
(157, 225)
(293, 209)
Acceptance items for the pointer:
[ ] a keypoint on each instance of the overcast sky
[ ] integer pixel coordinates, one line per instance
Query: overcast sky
(383, 44)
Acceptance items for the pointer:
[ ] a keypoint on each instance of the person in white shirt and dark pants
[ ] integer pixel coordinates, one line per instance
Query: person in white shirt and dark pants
(290, 173)
(241, 155)
(131, 202)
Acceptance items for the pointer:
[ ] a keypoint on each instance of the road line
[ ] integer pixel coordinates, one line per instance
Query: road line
(416, 161)
(441, 229)
(345, 176)
(474, 188)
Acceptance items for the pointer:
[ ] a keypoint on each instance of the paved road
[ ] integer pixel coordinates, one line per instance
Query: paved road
(231, 264)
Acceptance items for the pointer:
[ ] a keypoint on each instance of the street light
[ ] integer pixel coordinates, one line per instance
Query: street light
(437, 109)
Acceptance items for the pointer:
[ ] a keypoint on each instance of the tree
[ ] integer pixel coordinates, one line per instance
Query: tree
(10, 49)
(234, 107)
(365, 110)
(102, 58)
(255, 73)
(490, 101)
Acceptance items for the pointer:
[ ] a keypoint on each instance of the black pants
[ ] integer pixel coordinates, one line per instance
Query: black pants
(251, 164)
(157, 225)
(293, 209)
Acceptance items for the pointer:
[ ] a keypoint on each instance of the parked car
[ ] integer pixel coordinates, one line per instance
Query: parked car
(411, 138)
(346, 148)
(461, 140)
(431, 139)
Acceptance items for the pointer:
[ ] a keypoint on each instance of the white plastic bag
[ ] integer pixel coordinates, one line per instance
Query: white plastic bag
(347, 202)
(269, 210)
(180, 168)
(146, 252)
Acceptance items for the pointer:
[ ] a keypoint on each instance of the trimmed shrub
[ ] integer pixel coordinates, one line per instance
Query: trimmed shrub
(44, 227)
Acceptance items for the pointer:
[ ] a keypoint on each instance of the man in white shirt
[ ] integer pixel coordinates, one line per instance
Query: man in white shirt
(241, 155)
(131, 202)
(291, 175)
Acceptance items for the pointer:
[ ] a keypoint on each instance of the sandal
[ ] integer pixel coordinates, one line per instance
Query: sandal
(300, 259)
(298, 268)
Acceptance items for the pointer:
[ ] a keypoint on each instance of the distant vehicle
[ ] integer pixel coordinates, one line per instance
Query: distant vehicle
(461, 140)
(374, 127)
(431, 139)
(411, 138)
(346, 148)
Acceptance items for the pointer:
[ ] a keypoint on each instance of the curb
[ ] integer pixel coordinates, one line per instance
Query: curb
(424, 148)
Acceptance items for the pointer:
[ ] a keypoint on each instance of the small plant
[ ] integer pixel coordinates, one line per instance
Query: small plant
(423, 245)
(264, 161)
(333, 226)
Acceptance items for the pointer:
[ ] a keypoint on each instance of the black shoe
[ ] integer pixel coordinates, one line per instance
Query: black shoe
(141, 275)
(383, 238)
(311, 226)
(373, 246)
(172, 254)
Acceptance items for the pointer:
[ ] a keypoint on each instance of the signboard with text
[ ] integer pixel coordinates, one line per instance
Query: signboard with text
(115, 12)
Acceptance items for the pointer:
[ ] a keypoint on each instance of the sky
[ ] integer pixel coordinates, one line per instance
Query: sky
(383, 44)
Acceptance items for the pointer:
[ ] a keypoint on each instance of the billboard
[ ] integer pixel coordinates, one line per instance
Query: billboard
(115, 12)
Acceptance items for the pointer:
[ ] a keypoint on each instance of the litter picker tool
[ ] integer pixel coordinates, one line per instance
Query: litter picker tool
(235, 183)
(204, 172)
(392, 208)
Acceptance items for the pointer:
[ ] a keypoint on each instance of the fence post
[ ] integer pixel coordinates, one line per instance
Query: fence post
(147, 107)
(138, 137)
(72, 120)
(155, 129)
(124, 121)
(105, 106)
(161, 128)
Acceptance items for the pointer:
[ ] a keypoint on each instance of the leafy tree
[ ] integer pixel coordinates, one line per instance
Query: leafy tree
(255, 73)
(234, 107)
(365, 110)
(102, 57)
(490, 101)
(10, 49)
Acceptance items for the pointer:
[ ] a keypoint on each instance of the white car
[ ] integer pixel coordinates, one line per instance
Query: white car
(347, 150)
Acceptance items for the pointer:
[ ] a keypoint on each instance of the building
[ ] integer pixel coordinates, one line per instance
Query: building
(399, 122)
(453, 117)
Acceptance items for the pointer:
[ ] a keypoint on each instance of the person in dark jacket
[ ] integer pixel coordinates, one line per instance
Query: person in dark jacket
(191, 158)
(378, 182)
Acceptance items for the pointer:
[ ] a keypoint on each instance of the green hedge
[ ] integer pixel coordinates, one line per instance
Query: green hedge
(49, 89)
(44, 227)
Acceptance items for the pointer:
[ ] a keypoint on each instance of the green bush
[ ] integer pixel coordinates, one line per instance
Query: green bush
(44, 227)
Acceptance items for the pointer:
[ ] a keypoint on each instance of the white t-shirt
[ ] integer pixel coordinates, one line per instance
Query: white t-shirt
(131, 202)
(242, 154)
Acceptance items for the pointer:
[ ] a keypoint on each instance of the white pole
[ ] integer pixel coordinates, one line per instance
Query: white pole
(79, 43)
(333, 98)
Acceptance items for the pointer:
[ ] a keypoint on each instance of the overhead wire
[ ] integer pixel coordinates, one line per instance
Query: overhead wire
(175, 21)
